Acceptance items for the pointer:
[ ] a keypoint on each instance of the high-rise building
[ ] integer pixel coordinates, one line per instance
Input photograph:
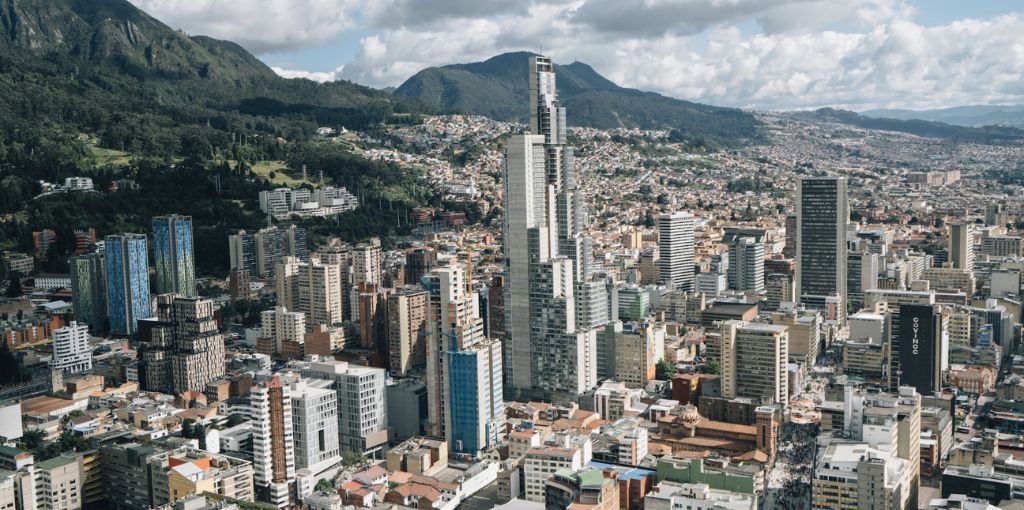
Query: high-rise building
(418, 263)
(173, 255)
(789, 251)
(754, 359)
(260, 253)
(746, 259)
(127, 282)
(922, 353)
(546, 252)
(407, 330)
(89, 290)
(315, 425)
(778, 290)
(961, 245)
(862, 274)
(182, 349)
(282, 333)
(362, 404)
(822, 215)
(312, 288)
(272, 442)
(464, 368)
(71, 351)
(676, 250)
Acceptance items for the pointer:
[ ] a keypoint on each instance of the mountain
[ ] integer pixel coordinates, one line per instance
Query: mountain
(930, 129)
(498, 88)
(970, 116)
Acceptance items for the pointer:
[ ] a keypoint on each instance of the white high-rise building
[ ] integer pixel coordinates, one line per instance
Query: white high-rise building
(961, 246)
(746, 259)
(273, 444)
(281, 326)
(312, 288)
(71, 351)
(676, 250)
(547, 351)
(362, 404)
(315, 425)
(754, 361)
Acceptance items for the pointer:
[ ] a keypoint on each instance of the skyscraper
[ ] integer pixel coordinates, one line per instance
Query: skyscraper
(407, 330)
(464, 368)
(961, 245)
(127, 282)
(746, 259)
(676, 250)
(822, 214)
(182, 348)
(89, 290)
(173, 255)
(272, 442)
(546, 251)
(315, 425)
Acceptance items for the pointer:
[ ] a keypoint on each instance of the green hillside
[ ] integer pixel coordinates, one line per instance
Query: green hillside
(498, 88)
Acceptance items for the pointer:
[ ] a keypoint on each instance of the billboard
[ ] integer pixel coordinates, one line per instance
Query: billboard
(917, 348)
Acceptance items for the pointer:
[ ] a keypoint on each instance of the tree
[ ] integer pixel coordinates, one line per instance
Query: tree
(325, 486)
(664, 370)
(712, 367)
(33, 439)
(14, 285)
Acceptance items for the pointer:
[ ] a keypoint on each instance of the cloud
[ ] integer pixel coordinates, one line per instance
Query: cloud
(261, 26)
(317, 76)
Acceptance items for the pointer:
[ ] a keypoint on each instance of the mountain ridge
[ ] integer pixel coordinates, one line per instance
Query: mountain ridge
(498, 88)
(967, 115)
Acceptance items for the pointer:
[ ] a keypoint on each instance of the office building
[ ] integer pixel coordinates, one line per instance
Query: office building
(547, 253)
(676, 250)
(182, 349)
(923, 349)
(273, 445)
(961, 245)
(315, 425)
(185, 473)
(71, 351)
(754, 359)
(789, 251)
(127, 475)
(282, 333)
(746, 259)
(89, 291)
(804, 332)
(407, 330)
(59, 483)
(862, 274)
(1002, 246)
(418, 263)
(127, 272)
(822, 215)
(362, 404)
(312, 288)
(173, 255)
(854, 475)
(778, 289)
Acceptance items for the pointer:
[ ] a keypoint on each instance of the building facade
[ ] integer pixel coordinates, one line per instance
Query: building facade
(174, 255)
(127, 270)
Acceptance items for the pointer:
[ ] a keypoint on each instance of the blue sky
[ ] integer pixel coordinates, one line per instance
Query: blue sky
(768, 54)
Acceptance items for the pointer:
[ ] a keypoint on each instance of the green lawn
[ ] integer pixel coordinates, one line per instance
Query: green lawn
(281, 178)
(109, 157)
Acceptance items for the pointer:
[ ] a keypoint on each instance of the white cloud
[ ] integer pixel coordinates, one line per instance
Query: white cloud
(259, 25)
(776, 54)
(317, 76)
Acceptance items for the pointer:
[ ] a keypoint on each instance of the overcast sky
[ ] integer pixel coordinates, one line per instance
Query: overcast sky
(765, 54)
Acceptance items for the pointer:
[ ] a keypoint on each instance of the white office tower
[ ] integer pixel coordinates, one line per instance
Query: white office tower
(273, 445)
(315, 425)
(676, 247)
(71, 352)
(362, 404)
(746, 259)
(548, 353)
(822, 214)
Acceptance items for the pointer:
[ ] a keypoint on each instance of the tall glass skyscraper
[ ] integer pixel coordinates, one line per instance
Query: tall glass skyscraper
(173, 255)
(89, 290)
(127, 282)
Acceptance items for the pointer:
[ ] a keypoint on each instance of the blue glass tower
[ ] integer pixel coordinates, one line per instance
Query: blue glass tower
(127, 282)
(173, 255)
